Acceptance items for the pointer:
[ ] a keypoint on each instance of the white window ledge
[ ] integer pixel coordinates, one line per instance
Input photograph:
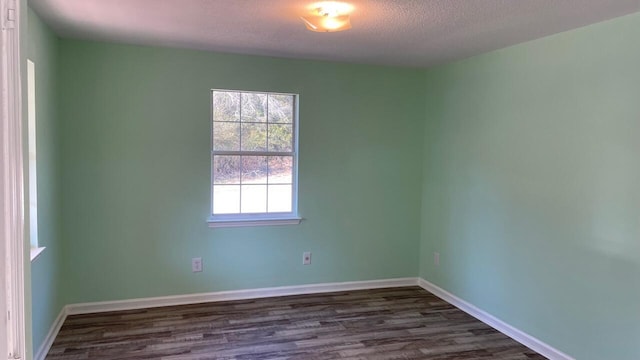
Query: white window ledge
(35, 251)
(216, 223)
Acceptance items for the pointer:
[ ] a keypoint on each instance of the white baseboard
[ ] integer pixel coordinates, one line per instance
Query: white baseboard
(94, 307)
(104, 306)
(119, 305)
(51, 335)
(517, 335)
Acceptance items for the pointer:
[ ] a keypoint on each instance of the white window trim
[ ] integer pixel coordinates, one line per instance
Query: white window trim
(35, 252)
(12, 221)
(33, 167)
(260, 219)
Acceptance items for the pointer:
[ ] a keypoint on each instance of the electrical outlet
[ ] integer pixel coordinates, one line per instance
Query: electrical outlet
(196, 264)
(436, 258)
(306, 258)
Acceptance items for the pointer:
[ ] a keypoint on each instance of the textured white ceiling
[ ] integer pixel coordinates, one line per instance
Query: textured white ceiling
(417, 33)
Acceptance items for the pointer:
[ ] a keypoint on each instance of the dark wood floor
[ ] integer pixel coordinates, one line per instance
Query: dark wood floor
(397, 323)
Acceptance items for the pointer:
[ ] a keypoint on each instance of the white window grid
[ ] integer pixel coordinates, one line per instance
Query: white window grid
(293, 153)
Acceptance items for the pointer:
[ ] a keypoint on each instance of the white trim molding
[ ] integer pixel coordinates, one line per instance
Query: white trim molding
(41, 354)
(12, 220)
(217, 223)
(35, 252)
(517, 335)
(143, 303)
(95, 307)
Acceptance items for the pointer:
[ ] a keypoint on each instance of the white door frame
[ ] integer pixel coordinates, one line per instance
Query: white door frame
(12, 219)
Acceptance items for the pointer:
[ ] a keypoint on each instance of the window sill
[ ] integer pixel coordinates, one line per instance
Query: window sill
(35, 251)
(217, 223)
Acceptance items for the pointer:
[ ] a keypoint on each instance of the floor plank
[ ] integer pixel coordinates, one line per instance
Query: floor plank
(394, 323)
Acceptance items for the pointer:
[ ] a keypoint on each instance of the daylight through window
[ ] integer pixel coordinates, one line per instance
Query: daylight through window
(253, 155)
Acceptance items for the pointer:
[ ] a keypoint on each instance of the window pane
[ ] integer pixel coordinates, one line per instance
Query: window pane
(280, 198)
(254, 170)
(254, 137)
(254, 199)
(226, 169)
(226, 106)
(226, 199)
(226, 136)
(280, 169)
(281, 108)
(254, 107)
(247, 124)
(280, 137)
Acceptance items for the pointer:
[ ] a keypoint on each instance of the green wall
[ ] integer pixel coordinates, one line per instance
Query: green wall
(46, 274)
(135, 125)
(525, 158)
(531, 187)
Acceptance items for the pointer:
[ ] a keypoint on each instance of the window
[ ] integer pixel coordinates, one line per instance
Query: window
(33, 164)
(253, 158)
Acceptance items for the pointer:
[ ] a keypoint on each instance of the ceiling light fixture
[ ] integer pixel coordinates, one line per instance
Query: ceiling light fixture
(328, 16)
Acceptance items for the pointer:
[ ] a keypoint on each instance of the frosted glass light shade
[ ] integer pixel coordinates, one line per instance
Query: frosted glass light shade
(320, 23)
